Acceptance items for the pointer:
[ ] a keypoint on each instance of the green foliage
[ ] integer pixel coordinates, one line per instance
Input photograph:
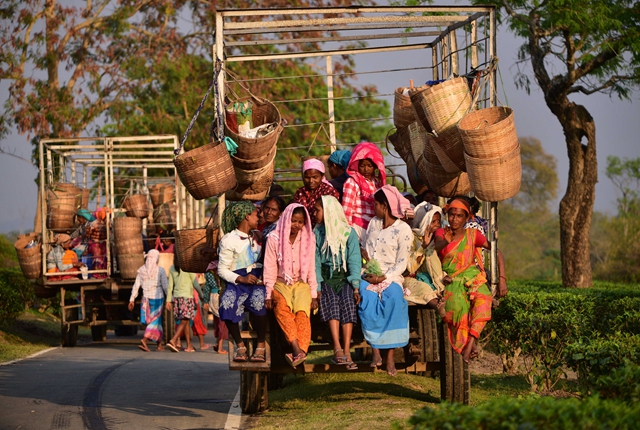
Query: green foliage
(530, 413)
(373, 268)
(539, 177)
(598, 356)
(622, 384)
(8, 255)
(16, 292)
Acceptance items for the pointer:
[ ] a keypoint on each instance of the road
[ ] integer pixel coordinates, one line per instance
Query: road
(113, 385)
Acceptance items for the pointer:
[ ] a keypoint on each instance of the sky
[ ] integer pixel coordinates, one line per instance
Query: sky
(617, 130)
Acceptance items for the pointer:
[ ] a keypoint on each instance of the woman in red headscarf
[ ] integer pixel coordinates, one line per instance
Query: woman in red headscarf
(366, 174)
(467, 298)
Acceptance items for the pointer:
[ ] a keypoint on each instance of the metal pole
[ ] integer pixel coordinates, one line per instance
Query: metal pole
(332, 113)
(494, 205)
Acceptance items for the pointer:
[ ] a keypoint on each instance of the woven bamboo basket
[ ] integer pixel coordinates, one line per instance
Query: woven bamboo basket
(446, 184)
(189, 243)
(445, 104)
(255, 163)
(418, 111)
(61, 210)
(128, 264)
(401, 141)
(30, 259)
(402, 110)
(495, 179)
(69, 188)
(449, 150)
(165, 216)
(129, 245)
(263, 112)
(248, 177)
(161, 193)
(417, 139)
(127, 226)
(206, 171)
(136, 205)
(86, 193)
(489, 132)
(416, 183)
(253, 192)
(429, 153)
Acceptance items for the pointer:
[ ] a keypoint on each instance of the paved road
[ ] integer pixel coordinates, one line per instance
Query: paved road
(113, 385)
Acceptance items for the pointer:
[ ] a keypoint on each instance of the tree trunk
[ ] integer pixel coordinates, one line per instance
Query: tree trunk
(576, 207)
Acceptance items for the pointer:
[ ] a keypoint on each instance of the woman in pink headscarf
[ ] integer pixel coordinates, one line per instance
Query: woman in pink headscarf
(315, 186)
(366, 174)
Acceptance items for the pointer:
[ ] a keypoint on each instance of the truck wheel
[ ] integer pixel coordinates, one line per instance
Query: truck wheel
(455, 381)
(428, 332)
(98, 333)
(275, 381)
(254, 394)
(168, 325)
(69, 335)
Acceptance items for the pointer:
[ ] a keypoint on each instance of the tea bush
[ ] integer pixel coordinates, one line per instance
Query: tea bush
(16, 293)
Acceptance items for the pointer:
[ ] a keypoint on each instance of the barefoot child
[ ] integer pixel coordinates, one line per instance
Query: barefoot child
(180, 300)
(153, 281)
(290, 279)
(338, 266)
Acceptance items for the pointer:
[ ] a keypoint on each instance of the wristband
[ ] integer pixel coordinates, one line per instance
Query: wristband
(502, 277)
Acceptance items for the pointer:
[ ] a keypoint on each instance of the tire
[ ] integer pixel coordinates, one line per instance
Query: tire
(168, 325)
(69, 335)
(275, 381)
(98, 333)
(428, 332)
(455, 381)
(254, 393)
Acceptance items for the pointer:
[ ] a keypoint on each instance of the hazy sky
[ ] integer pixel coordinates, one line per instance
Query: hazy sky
(617, 129)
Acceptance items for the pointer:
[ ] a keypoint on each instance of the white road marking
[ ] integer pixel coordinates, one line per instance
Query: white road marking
(44, 351)
(234, 417)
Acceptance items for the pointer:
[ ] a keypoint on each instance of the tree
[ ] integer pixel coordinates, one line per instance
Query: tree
(591, 47)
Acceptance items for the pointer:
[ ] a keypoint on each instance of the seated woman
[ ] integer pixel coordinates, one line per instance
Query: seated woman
(271, 209)
(80, 237)
(238, 266)
(290, 279)
(384, 312)
(338, 164)
(467, 298)
(315, 186)
(338, 267)
(357, 197)
(62, 258)
(424, 279)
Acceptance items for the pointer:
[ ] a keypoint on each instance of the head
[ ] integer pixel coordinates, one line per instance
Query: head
(428, 196)
(272, 208)
(153, 256)
(475, 205)
(242, 214)
(63, 240)
(458, 212)
(436, 221)
(166, 238)
(312, 179)
(81, 220)
(298, 220)
(335, 170)
(410, 197)
(367, 168)
(319, 211)
(276, 190)
(83, 216)
(339, 162)
(381, 205)
(252, 219)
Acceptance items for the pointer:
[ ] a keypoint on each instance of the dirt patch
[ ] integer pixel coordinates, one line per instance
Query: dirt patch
(486, 364)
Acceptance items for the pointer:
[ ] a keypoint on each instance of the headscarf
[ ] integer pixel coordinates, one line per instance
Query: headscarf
(62, 238)
(85, 214)
(397, 203)
(341, 157)
(460, 204)
(337, 231)
(314, 163)
(234, 214)
(307, 244)
(150, 268)
(362, 151)
(424, 213)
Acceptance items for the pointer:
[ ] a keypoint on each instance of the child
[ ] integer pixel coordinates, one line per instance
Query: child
(180, 300)
(238, 265)
(315, 186)
(220, 330)
(199, 325)
(153, 281)
(357, 197)
(290, 279)
(338, 266)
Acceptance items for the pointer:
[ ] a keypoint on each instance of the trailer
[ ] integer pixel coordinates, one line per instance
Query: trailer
(444, 41)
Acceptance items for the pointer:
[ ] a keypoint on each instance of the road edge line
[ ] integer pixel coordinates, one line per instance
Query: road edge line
(44, 351)
(234, 416)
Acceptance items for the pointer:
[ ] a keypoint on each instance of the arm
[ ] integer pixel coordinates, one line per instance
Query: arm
(225, 259)
(442, 239)
(270, 272)
(405, 241)
(354, 260)
(134, 289)
(162, 280)
(313, 281)
(196, 285)
(319, 243)
(170, 288)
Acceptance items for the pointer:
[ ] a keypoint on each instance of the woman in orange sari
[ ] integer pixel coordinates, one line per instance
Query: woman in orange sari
(467, 298)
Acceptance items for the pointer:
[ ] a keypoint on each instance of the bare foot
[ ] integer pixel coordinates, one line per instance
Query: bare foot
(391, 369)
(223, 351)
(468, 349)
(160, 348)
(376, 359)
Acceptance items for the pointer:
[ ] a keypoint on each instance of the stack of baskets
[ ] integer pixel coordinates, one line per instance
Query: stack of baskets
(254, 161)
(492, 153)
(61, 209)
(136, 205)
(164, 213)
(129, 246)
(29, 250)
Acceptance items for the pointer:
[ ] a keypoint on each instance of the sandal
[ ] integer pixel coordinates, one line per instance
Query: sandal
(295, 361)
(240, 355)
(259, 358)
(350, 365)
(339, 359)
(172, 347)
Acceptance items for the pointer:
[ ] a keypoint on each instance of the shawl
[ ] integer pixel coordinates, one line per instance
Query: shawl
(424, 213)
(307, 245)
(234, 214)
(362, 151)
(86, 215)
(149, 270)
(337, 231)
(399, 205)
(341, 157)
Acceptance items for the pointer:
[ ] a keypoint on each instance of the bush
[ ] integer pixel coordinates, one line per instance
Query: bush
(530, 413)
(596, 357)
(15, 294)
(622, 384)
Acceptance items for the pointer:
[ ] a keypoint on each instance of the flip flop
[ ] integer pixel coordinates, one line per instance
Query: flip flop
(350, 365)
(189, 350)
(172, 347)
(144, 348)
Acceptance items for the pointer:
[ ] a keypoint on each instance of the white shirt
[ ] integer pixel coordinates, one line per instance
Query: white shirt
(237, 250)
(390, 246)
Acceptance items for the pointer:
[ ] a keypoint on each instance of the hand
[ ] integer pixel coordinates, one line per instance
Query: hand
(130, 307)
(364, 254)
(268, 303)
(314, 304)
(169, 306)
(249, 279)
(502, 287)
(319, 295)
(427, 238)
(447, 280)
(374, 279)
(206, 307)
(356, 297)
(448, 234)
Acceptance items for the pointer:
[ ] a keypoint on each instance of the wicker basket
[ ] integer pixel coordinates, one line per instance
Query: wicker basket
(489, 132)
(417, 184)
(401, 141)
(162, 193)
(136, 206)
(418, 111)
(445, 104)
(429, 153)
(248, 177)
(253, 192)
(85, 193)
(128, 264)
(165, 216)
(402, 110)
(69, 189)
(206, 171)
(255, 163)
(30, 259)
(127, 226)
(263, 112)
(61, 210)
(446, 148)
(417, 139)
(495, 179)
(446, 184)
(189, 243)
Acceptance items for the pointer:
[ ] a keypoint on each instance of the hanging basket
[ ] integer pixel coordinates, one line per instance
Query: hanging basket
(401, 141)
(444, 104)
(263, 112)
(445, 184)
(30, 259)
(449, 150)
(419, 113)
(254, 192)
(165, 217)
(189, 243)
(128, 264)
(489, 132)
(86, 193)
(418, 185)
(402, 110)
(429, 153)
(162, 193)
(255, 163)
(136, 206)
(249, 177)
(206, 171)
(495, 179)
(61, 210)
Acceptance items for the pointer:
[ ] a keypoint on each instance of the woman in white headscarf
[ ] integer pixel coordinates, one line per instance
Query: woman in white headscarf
(153, 280)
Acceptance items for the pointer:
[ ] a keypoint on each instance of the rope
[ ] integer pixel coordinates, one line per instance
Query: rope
(177, 151)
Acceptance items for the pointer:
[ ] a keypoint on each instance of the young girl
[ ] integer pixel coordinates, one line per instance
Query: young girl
(220, 330)
(357, 197)
(290, 278)
(338, 266)
(384, 312)
(153, 281)
(238, 265)
(315, 186)
(180, 300)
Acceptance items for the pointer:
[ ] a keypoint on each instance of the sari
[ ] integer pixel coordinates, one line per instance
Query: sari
(467, 298)
(151, 315)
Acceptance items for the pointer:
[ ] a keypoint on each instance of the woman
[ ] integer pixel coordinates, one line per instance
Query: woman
(384, 312)
(271, 209)
(338, 165)
(180, 300)
(153, 280)
(98, 242)
(62, 258)
(80, 237)
(315, 186)
(357, 198)
(467, 298)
